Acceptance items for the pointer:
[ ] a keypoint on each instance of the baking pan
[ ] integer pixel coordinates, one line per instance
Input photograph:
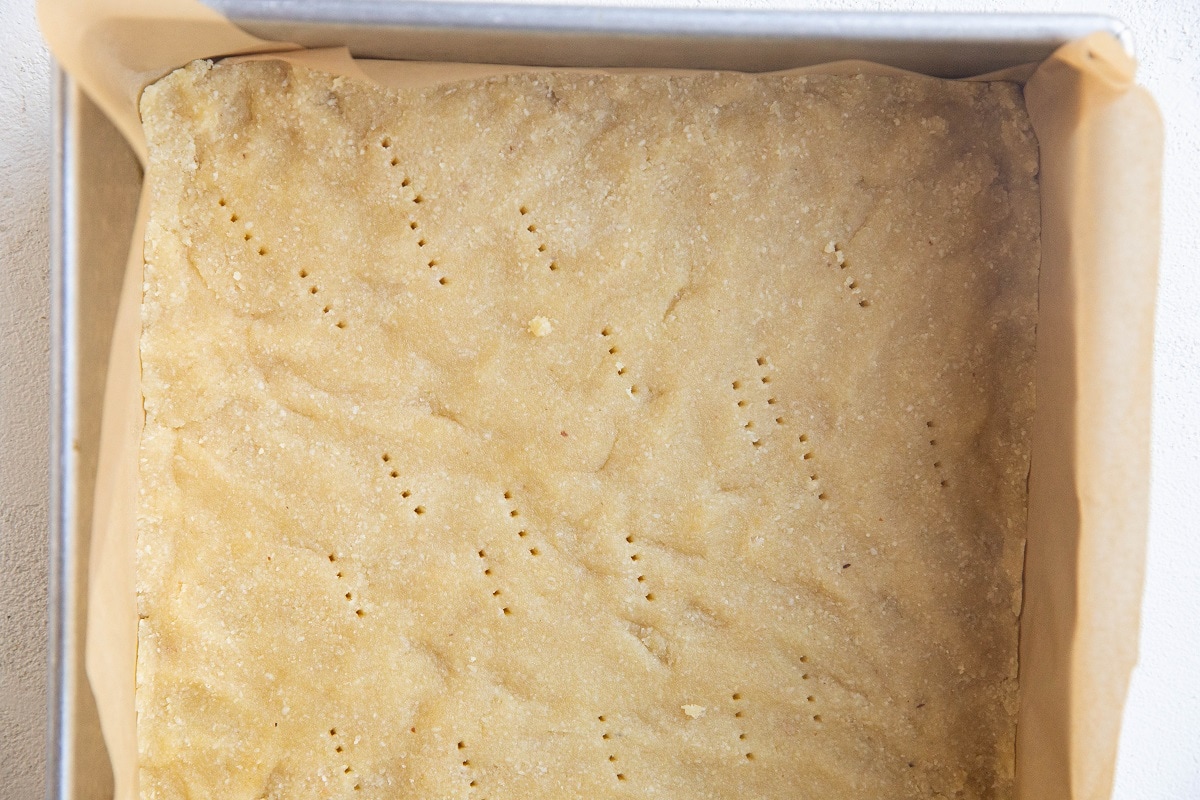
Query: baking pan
(945, 45)
(96, 181)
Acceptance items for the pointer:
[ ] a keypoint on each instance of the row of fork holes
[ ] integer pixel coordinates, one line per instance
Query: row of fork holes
(937, 464)
(852, 284)
(246, 235)
(472, 782)
(417, 199)
(522, 534)
(606, 736)
(394, 474)
(394, 161)
(328, 307)
(614, 350)
(636, 557)
(532, 228)
(346, 768)
(340, 574)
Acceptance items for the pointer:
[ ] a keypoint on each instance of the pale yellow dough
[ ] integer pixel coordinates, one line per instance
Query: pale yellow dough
(583, 436)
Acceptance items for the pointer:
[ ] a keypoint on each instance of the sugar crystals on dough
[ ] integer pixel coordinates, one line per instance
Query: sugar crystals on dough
(581, 435)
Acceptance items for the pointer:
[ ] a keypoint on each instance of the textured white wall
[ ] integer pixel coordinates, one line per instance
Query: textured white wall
(1160, 747)
(24, 354)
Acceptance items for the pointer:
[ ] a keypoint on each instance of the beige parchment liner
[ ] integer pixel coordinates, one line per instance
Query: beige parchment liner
(1100, 139)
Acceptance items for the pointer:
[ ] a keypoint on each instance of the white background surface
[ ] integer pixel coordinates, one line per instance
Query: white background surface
(1160, 743)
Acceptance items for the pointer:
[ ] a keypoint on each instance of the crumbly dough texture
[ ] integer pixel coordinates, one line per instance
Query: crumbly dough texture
(743, 519)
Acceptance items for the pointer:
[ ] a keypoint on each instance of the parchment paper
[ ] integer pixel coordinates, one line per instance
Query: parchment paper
(1101, 148)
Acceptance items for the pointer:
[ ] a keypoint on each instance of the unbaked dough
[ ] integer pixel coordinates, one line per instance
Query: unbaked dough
(574, 435)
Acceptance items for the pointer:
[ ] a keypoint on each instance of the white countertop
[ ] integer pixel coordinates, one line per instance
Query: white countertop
(1160, 743)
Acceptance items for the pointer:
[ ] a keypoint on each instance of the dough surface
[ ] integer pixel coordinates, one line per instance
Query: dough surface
(578, 436)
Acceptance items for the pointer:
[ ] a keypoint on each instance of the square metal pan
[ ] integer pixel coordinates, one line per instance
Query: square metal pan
(96, 181)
